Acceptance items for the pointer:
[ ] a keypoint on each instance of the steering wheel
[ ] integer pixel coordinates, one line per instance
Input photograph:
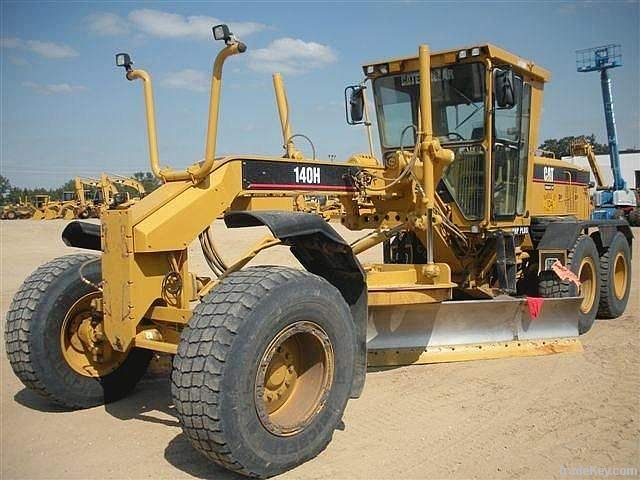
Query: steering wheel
(456, 134)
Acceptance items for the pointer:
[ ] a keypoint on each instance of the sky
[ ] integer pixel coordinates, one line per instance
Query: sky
(66, 110)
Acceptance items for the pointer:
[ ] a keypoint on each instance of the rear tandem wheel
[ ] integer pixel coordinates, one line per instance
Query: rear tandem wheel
(615, 278)
(583, 260)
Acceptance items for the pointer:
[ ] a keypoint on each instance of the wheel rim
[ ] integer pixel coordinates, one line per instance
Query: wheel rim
(294, 378)
(620, 276)
(84, 346)
(587, 284)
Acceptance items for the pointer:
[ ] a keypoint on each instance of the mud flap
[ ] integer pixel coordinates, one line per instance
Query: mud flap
(469, 323)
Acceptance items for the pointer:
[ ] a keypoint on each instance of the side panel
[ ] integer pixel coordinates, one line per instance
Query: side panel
(558, 189)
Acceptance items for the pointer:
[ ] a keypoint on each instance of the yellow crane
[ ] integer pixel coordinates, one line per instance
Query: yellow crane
(582, 148)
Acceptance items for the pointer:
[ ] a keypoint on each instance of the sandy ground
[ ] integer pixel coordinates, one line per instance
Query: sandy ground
(512, 418)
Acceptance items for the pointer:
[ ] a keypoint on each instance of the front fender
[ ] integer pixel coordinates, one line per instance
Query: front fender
(323, 252)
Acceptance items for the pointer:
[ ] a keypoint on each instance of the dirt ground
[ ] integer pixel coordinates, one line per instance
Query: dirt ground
(536, 417)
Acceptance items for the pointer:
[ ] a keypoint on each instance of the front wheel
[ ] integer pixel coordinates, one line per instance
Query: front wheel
(264, 370)
(55, 345)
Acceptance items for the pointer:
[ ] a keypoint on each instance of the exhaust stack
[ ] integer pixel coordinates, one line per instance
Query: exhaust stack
(283, 112)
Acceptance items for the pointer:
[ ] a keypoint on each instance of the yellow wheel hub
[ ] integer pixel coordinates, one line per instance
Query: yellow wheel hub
(588, 283)
(84, 346)
(294, 378)
(620, 276)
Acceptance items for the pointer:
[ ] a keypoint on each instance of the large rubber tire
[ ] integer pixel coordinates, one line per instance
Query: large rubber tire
(11, 215)
(33, 341)
(616, 260)
(550, 286)
(220, 352)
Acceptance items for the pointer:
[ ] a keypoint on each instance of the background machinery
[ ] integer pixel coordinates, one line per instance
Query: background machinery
(89, 197)
(266, 358)
(85, 193)
(23, 209)
(46, 209)
(617, 200)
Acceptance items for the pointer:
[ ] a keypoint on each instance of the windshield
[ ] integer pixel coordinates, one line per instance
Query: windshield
(457, 104)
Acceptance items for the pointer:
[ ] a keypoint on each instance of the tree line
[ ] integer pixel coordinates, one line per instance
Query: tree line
(10, 194)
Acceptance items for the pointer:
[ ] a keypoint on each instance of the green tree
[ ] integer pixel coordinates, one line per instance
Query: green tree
(5, 189)
(562, 147)
(147, 179)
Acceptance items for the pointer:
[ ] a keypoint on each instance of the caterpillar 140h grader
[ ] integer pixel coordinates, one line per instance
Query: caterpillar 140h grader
(489, 251)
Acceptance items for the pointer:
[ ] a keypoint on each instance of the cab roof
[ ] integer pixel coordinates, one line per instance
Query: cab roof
(442, 57)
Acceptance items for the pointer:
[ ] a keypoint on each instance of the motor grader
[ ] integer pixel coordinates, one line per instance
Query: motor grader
(45, 208)
(23, 209)
(489, 251)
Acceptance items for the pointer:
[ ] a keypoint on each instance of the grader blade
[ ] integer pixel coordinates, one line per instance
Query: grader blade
(473, 329)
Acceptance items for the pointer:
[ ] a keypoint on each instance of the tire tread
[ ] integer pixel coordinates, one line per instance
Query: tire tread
(21, 312)
(204, 346)
(606, 310)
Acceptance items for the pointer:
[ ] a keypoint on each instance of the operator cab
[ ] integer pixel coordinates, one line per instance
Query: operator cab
(481, 101)
(68, 196)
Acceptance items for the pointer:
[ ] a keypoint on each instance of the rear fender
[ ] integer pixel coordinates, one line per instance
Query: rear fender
(562, 235)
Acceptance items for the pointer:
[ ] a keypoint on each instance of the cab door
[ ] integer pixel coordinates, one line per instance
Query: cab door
(510, 154)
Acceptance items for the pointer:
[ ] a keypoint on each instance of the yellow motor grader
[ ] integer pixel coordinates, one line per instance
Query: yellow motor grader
(23, 209)
(45, 208)
(489, 251)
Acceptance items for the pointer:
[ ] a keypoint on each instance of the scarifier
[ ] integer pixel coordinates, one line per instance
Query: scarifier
(472, 221)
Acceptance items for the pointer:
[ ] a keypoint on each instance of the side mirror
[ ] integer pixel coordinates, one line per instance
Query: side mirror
(354, 104)
(504, 88)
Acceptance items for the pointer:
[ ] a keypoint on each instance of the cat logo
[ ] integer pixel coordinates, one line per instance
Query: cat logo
(548, 174)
